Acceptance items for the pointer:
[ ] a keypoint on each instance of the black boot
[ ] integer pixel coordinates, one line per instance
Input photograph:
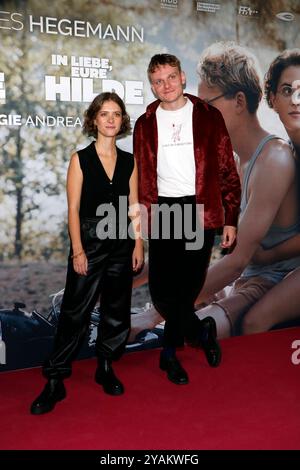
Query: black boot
(175, 371)
(105, 376)
(53, 392)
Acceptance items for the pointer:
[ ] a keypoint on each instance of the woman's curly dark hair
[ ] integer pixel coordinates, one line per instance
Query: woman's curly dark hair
(286, 59)
(90, 114)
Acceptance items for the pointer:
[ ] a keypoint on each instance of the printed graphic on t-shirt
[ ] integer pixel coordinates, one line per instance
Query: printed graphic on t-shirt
(176, 126)
(176, 132)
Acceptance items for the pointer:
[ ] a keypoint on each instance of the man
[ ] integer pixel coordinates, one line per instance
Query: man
(184, 158)
(229, 81)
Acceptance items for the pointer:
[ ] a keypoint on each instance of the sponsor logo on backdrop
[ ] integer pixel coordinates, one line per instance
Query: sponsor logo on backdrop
(63, 26)
(285, 16)
(247, 11)
(208, 7)
(2, 87)
(169, 4)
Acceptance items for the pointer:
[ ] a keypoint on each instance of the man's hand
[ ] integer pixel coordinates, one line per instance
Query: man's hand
(228, 237)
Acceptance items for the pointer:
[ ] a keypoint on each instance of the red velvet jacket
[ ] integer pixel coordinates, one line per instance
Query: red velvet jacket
(217, 181)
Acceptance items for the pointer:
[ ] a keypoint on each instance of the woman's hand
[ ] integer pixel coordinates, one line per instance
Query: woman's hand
(138, 255)
(80, 263)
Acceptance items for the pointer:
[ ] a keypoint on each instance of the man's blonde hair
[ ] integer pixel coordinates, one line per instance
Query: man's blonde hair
(232, 68)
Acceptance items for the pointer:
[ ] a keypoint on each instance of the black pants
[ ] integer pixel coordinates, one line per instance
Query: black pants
(109, 274)
(176, 276)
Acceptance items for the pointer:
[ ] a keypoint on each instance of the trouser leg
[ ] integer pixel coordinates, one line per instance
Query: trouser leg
(164, 286)
(80, 296)
(114, 326)
(176, 275)
(195, 265)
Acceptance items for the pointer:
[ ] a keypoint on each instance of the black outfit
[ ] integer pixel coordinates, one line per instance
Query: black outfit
(109, 268)
(176, 276)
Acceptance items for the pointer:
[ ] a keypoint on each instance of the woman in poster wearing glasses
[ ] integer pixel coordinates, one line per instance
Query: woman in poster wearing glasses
(282, 92)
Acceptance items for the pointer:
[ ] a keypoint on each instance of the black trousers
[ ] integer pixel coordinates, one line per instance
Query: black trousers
(109, 274)
(176, 276)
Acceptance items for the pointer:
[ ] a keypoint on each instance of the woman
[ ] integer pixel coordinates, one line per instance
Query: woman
(102, 179)
(282, 90)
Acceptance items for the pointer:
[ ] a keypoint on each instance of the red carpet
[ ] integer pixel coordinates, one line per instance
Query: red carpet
(250, 402)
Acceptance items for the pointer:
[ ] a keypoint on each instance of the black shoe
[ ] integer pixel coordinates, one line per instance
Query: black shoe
(105, 376)
(209, 341)
(174, 369)
(53, 392)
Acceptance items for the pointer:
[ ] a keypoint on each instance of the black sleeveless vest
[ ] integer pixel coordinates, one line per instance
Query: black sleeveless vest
(97, 188)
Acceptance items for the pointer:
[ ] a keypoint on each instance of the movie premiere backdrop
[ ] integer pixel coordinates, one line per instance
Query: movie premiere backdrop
(55, 58)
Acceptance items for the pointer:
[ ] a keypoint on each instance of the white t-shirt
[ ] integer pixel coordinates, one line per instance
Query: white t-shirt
(175, 158)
